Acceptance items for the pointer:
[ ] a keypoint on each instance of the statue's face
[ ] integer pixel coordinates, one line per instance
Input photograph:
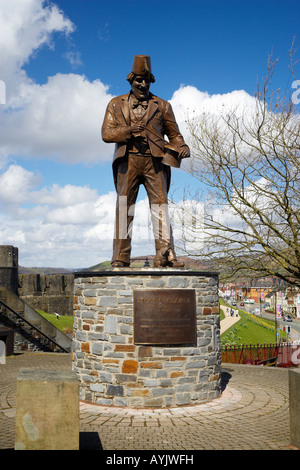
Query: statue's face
(140, 87)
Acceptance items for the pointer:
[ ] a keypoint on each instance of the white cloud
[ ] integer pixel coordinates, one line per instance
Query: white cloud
(28, 24)
(65, 196)
(25, 26)
(74, 57)
(15, 184)
(60, 119)
(203, 114)
(190, 103)
(51, 226)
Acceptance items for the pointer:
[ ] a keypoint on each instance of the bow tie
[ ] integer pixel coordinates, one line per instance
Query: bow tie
(137, 103)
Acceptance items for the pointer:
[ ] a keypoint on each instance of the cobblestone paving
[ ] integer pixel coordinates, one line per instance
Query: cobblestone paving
(251, 414)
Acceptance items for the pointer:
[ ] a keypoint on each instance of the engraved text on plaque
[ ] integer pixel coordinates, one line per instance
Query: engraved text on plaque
(164, 316)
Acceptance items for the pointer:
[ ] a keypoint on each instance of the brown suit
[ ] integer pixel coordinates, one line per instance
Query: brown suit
(140, 167)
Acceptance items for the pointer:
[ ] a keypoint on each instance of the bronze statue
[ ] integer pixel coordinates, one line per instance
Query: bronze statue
(137, 123)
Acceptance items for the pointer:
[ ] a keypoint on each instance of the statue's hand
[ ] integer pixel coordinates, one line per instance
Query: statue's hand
(185, 152)
(136, 128)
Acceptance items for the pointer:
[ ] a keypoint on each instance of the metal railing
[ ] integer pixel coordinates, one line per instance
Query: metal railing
(32, 326)
(280, 355)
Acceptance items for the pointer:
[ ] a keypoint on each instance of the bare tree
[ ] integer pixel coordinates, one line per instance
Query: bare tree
(248, 162)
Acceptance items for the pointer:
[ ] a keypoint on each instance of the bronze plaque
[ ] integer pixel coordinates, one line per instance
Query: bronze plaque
(164, 316)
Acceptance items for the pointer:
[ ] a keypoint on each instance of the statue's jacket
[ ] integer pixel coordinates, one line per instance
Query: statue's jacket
(159, 122)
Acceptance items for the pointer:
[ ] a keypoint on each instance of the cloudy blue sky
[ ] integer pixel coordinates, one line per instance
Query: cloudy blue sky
(61, 63)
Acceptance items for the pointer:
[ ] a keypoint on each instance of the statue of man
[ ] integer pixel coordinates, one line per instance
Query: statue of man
(137, 123)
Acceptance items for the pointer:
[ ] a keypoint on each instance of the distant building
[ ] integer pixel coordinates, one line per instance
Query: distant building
(271, 292)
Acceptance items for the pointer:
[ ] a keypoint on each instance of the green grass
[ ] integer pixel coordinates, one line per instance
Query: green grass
(64, 323)
(250, 329)
(222, 314)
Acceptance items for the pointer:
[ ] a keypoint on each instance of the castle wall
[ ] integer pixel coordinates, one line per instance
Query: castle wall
(52, 293)
(9, 267)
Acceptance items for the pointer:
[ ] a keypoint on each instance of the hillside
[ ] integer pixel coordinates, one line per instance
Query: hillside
(139, 262)
(43, 271)
(136, 262)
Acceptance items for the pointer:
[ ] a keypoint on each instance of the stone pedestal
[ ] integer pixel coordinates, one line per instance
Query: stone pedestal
(47, 410)
(114, 370)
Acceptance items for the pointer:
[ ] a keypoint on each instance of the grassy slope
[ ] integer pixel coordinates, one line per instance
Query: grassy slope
(64, 323)
(250, 329)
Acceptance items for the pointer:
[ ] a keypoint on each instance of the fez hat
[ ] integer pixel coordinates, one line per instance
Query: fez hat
(171, 156)
(141, 66)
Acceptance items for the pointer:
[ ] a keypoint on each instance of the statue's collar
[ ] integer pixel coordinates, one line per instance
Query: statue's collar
(151, 97)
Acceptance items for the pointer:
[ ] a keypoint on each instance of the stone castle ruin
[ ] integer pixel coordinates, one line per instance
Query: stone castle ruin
(20, 297)
(48, 292)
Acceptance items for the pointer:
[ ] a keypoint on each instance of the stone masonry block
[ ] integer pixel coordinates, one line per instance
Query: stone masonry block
(97, 388)
(183, 398)
(110, 325)
(47, 410)
(129, 366)
(117, 390)
(97, 349)
(107, 301)
(177, 282)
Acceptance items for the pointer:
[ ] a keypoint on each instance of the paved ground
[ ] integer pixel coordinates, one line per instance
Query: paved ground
(251, 414)
(229, 320)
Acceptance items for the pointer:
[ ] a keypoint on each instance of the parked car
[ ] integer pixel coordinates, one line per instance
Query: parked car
(287, 318)
(233, 302)
(242, 304)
